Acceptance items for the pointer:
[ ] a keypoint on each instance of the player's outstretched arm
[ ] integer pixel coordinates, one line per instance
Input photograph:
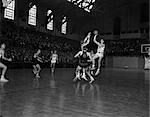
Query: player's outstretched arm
(87, 39)
(95, 41)
(7, 59)
(77, 54)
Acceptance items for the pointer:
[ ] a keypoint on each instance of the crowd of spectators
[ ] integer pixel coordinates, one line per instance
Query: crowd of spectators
(23, 42)
(124, 47)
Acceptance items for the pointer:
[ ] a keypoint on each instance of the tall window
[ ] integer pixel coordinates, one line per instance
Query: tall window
(64, 25)
(10, 10)
(50, 20)
(32, 16)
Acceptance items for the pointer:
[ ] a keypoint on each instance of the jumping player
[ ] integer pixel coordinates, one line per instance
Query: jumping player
(100, 52)
(37, 61)
(4, 67)
(54, 60)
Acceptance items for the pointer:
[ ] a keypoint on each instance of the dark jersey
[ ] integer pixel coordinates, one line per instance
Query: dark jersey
(83, 60)
(35, 60)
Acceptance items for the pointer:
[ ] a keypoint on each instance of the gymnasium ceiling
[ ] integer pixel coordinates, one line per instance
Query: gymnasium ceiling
(101, 7)
(68, 8)
(63, 7)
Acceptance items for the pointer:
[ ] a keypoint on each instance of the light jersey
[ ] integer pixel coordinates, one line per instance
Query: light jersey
(0, 55)
(54, 58)
(100, 49)
(1, 52)
(147, 63)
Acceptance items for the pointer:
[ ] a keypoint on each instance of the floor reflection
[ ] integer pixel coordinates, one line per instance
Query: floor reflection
(2, 95)
(147, 75)
(81, 89)
(52, 80)
(90, 93)
(36, 83)
(54, 95)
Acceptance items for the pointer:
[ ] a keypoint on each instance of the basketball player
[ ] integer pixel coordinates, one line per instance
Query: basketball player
(100, 52)
(37, 61)
(84, 63)
(84, 43)
(147, 60)
(4, 67)
(54, 60)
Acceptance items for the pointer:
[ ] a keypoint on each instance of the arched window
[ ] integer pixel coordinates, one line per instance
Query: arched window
(10, 10)
(64, 25)
(32, 15)
(50, 20)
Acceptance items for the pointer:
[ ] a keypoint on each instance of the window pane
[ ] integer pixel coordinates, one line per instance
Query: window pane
(50, 25)
(50, 20)
(49, 12)
(9, 11)
(32, 16)
(64, 26)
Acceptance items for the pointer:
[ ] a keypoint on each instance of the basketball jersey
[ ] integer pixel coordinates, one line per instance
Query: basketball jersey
(0, 55)
(101, 49)
(54, 58)
(36, 59)
(84, 57)
(147, 63)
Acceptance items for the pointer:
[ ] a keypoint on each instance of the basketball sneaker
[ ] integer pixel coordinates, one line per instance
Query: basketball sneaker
(3, 79)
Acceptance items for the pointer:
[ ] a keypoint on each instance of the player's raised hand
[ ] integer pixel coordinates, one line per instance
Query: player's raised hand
(89, 34)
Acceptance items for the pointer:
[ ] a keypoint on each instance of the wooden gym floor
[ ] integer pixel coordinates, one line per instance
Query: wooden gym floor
(115, 93)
